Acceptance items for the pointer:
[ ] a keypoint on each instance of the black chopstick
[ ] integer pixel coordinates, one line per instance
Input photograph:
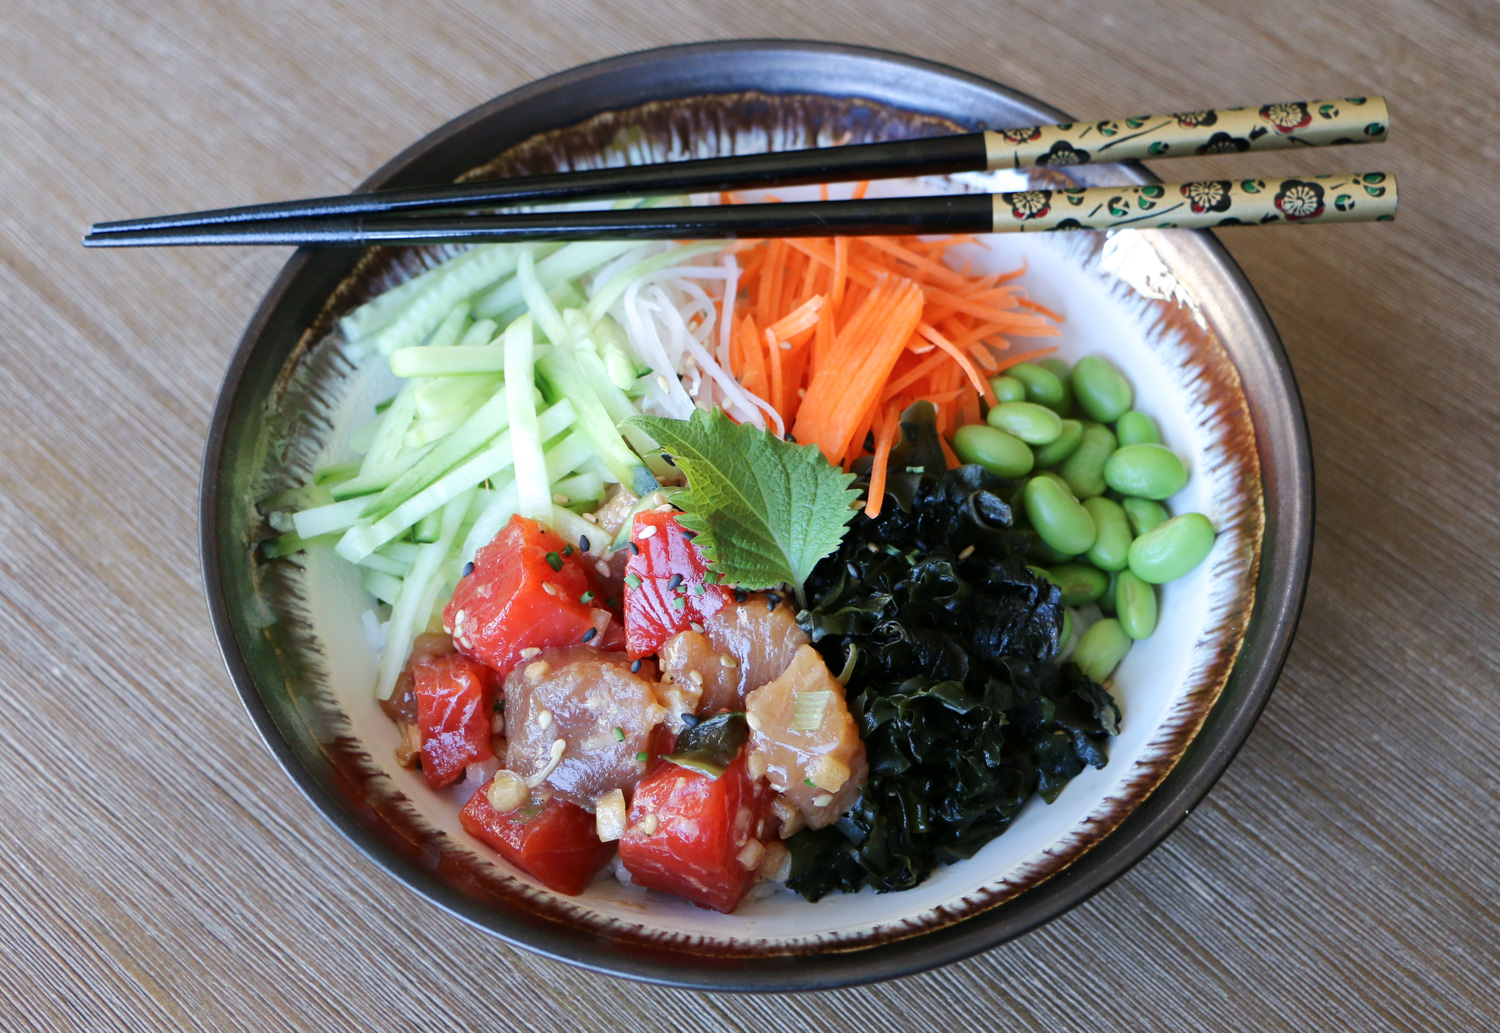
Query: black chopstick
(1226, 130)
(1362, 197)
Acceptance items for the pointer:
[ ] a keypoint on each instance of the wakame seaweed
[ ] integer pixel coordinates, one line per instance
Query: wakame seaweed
(947, 640)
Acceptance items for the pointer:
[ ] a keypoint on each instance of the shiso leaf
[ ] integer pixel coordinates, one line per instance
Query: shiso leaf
(765, 510)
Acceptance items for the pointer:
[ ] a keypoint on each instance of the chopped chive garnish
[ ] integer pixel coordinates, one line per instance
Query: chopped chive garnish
(568, 550)
(640, 757)
(553, 560)
(587, 597)
(809, 782)
(697, 589)
(633, 580)
(619, 734)
(678, 603)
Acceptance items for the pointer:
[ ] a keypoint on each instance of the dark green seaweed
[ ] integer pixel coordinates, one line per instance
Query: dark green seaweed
(951, 678)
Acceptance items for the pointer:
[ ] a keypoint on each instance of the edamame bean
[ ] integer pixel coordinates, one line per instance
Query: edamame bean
(1101, 648)
(1008, 389)
(1041, 552)
(1136, 428)
(1032, 423)
(1055, 452)
(1079, 582)
(1101, 390)
(1144, 514)
(1042, 385)
(1107, 600)
(1145, 471)
(1171, 549)
(1135, 602)
(1000, 453)
(1111, 548)
(1084, 469)
(1064, 373)
(1058, 517)
(1065, 636)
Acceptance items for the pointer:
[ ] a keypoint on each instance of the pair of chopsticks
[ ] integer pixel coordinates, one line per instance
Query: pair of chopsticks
(453, 213)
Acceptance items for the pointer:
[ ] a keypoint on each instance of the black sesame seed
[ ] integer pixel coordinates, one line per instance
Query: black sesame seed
(689, 720)
(468, 568)
(611, 603)
(740, 596)
(635, 550)
(588, 635)
(676, 580)
(669, 459)
(635, 667)
(854, 572)
(583, 543)
(774, 598)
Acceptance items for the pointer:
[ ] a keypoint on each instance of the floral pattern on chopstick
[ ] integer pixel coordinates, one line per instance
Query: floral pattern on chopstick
(1200, 204)
(1317, 123)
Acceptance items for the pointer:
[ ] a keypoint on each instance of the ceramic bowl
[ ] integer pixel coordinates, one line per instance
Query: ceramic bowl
(1169, 306)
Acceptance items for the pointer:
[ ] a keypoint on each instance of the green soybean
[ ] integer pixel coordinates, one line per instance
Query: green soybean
(1079, 582)
(1084, 469)
(1135, 603)
(1107, 600)
(1008, 389)
(1055, 452)
(1111, 548)
(1060, 520)
(1144, 514)
(1136, 428)
(1042, 385)
(1101, 648)
(1032, 423)
(1101, 390)
(1171, 549)
(1000, 453)
(1145, 471)
(1066, 635)
(1041, 552)
(1064, 374)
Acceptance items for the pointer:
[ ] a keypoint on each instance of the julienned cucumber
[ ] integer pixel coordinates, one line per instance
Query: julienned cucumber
(517, 382)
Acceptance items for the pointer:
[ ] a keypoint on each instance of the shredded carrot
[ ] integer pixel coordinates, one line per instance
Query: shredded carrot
(840, 336)
(885, 439)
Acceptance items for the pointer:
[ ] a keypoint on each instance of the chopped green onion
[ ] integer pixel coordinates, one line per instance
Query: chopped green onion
(807, 710)
(619, 734)
(554, 561)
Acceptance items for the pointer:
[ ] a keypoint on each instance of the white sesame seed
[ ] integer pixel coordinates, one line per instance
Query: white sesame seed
(663, 383)
(822, 800)
(458, 620)
(549, 588)
(560, 499)
(648, 824)
(872, 546)
(695, 678)
(696, 626)
(728, 661)
(967, 552)
(602, 568)
(529, 652)
(591, 518)
(544, 719)
(666, 507)
(647, 531)
(537, 669)
(753, 721)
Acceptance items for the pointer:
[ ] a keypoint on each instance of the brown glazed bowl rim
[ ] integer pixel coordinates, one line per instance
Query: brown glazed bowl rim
(771, 66)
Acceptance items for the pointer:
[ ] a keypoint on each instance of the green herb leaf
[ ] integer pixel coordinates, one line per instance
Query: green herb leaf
(765, 510)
